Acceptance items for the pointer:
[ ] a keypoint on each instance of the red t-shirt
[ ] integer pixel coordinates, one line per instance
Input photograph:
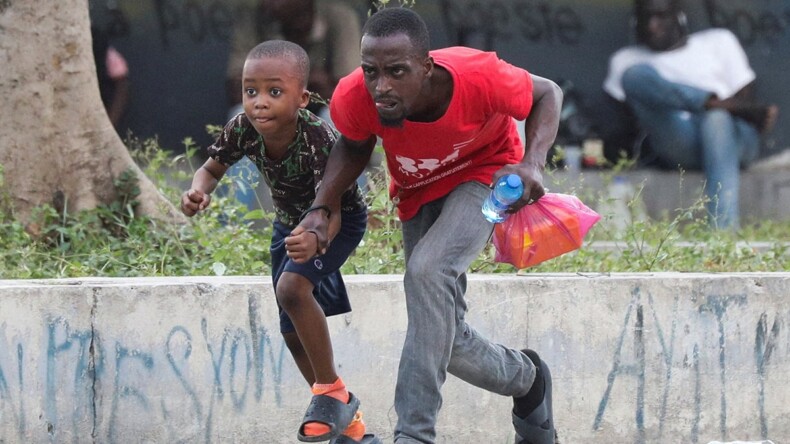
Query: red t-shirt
(475, 137)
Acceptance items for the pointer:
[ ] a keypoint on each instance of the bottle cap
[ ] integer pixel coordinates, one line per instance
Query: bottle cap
(513, 181)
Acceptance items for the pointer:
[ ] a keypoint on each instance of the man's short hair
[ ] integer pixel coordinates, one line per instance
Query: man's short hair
(399, 20)
(284, 49)
(642, 18)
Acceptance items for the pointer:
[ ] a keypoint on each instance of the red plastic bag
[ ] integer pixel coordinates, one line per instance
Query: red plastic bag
(554, 225)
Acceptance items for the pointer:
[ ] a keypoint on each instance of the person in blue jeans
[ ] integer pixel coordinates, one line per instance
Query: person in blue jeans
(693, 96)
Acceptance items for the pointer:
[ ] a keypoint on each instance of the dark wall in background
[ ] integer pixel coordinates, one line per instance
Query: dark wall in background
(177, 49)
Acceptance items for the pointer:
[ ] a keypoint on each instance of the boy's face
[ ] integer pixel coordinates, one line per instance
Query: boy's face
(273, 92)
(395, 76)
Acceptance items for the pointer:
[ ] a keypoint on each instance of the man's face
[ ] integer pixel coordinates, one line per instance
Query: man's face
(395, 76)
(662, 28)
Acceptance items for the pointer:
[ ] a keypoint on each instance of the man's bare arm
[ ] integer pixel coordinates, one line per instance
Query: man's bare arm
(346, 162)
(541, 130)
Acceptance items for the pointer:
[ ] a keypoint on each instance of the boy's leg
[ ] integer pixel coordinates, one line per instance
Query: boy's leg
(307, 293)
(300, 356)
(440, 242)
(295, 296)
(294, 293)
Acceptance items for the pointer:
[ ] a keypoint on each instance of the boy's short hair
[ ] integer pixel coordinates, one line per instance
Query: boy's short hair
(399, 20)
(284, 49)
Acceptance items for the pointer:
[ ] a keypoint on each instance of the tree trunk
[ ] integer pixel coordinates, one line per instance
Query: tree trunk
(56, 141)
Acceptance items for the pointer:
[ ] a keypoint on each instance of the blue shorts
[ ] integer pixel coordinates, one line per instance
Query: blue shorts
(324, 270)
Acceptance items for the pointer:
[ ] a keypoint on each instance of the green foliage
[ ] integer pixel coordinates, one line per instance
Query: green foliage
(381, 251)
(112, 240)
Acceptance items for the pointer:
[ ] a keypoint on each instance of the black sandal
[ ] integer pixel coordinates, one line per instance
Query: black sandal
(328, 410)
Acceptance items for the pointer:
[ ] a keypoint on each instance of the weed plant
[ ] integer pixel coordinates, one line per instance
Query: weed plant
(228, 239)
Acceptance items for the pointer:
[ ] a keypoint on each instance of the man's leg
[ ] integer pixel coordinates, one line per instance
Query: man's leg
(727, 143)
(440, 244)
(668, 113)
(683, 134)
(645, 85)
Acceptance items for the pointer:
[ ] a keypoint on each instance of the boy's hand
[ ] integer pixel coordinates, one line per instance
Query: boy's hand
(193, 201)
(301, 245)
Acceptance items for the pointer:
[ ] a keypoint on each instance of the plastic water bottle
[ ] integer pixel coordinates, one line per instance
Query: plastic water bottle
(507, 190)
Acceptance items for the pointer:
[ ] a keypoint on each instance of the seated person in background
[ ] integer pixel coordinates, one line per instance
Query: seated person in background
(113, 74)
(693, 95)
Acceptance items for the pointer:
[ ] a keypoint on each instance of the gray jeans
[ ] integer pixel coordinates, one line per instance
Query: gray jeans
(440, 242)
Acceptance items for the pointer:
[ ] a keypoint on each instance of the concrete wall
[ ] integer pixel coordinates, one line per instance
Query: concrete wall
(648, 358)
(764, 195)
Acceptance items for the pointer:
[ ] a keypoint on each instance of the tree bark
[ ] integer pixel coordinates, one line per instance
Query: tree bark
(55, 136)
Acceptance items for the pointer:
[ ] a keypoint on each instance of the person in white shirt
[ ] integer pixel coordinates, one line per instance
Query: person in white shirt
(693, 96)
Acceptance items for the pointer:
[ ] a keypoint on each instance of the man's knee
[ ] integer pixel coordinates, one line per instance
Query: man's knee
(717, 127)
(717, 119)
(422, 268)
(638, 77)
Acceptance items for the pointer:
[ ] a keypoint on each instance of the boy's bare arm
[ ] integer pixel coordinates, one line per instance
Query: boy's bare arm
(205, 180)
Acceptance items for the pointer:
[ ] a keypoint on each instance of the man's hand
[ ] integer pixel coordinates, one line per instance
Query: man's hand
(193, 201)
(531, 176)
(301, 245)
(316, 225)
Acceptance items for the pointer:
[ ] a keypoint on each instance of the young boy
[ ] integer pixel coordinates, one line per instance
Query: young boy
(290, 147)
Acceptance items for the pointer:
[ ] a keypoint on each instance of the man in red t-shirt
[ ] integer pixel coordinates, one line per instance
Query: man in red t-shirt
(445, 118)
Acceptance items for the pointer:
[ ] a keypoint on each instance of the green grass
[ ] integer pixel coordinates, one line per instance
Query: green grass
(227, 239)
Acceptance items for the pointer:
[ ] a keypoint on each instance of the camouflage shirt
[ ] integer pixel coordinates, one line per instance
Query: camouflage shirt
(294, 178)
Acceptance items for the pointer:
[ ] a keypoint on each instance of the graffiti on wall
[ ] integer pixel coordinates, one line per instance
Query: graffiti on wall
(188, 377)
(641, 325)
(242, 363)
(750, 23)
(536, 21)
(198, 20)
(541, 21)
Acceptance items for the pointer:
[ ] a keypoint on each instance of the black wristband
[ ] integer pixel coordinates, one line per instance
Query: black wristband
(317, 207)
